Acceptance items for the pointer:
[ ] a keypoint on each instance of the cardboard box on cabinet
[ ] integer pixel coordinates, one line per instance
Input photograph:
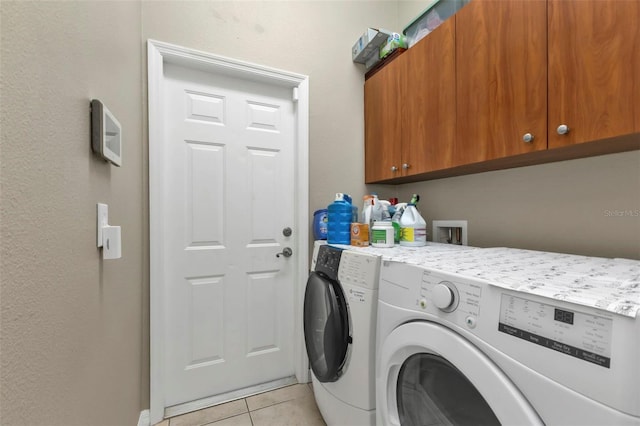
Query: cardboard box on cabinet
(368, 45)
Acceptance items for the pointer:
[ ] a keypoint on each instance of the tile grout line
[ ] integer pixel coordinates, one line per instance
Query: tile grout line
(248, 411)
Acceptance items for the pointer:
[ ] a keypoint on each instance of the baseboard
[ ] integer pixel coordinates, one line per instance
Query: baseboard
(143, 420)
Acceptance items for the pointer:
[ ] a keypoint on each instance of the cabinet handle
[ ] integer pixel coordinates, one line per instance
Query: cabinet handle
(563, 129)
(394, 169)
(405, 166)
(527, 138)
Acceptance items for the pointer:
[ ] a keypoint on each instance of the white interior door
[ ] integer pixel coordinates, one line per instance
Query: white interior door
(227, 195)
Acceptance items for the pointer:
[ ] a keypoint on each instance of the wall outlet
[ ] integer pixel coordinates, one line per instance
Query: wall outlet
(450, 232)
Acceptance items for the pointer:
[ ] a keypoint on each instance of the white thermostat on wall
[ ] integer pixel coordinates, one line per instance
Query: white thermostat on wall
(106, 133)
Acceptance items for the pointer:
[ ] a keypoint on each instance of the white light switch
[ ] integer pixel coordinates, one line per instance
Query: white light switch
(108, 237)
(103, 220)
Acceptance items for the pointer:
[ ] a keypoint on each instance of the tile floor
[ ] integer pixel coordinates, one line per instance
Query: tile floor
(289, 406)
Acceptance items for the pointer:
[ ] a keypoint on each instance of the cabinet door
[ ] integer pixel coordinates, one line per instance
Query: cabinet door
(594, 69)
(429, 121)
(501, 77)
(382, 112)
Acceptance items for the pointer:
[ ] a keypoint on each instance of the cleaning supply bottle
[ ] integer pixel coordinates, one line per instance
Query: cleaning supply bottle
(376, 211)
(386, 215)
(392, 206)
(382, 234)
(395, 221)
(413, 228)
(320, 224)
(340, 214)
(366, 209)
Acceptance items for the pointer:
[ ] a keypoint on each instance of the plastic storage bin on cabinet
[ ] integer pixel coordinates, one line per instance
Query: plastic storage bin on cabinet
(431, 18)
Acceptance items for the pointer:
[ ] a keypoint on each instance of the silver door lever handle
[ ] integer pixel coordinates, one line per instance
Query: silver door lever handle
(286, 252)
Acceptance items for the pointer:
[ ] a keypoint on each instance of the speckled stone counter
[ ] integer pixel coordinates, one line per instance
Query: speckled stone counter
(608, 284)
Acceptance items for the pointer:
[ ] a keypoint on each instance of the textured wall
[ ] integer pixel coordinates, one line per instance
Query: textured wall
(589, 206)
(71, 324)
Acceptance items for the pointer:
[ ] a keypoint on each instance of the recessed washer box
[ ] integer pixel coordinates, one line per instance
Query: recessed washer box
(450, 231)
(106, 133)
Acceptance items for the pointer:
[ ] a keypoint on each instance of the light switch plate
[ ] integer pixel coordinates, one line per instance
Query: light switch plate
(112, 245)
(102, 221)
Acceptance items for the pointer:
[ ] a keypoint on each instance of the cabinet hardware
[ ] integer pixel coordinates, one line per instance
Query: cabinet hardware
(563, 129)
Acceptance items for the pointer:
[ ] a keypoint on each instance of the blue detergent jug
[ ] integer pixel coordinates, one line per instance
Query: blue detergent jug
(339, 217)
(320, 224)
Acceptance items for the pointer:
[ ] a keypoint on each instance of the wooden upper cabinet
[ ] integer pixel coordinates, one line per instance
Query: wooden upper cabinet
(501, 77)
(594, 69)
(429, 120)
(382, 114)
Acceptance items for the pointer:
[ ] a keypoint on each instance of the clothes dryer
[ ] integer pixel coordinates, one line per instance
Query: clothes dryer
(504, 336)
(340, 306)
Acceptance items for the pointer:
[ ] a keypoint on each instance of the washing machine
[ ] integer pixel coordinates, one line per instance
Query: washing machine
(340, 306)
(508, 337)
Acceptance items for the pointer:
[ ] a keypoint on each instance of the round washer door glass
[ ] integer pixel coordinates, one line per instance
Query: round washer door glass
(326, 327)
(431, 391)
(429, 374)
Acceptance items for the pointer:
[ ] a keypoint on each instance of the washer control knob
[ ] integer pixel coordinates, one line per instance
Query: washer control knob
(442, 296)
(423, 303)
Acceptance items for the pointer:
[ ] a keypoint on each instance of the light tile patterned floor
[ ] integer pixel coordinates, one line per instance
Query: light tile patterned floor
(289, 406)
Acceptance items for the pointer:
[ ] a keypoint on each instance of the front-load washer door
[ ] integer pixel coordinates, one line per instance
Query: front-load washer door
(430, 375)
(326, 327)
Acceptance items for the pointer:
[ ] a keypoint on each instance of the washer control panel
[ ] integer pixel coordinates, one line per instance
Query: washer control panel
(578, 334)
(359, 269)
(458, 301)
(328, 261)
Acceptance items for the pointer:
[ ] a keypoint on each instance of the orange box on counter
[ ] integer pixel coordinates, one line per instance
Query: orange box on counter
(359, 234)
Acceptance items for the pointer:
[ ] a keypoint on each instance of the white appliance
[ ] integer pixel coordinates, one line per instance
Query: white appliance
(339, 324)
(480, 337)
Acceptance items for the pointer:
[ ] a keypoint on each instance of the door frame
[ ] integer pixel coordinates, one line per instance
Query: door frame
(158, 54)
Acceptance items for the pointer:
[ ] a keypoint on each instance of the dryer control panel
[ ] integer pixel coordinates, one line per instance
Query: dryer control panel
(441, 295)
(574, 333)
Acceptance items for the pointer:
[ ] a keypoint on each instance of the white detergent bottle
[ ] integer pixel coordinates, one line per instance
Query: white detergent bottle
(367, 208)
(413, 228)
(376, 212)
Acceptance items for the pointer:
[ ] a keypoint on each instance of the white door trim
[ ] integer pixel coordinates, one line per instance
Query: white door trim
(159, 53)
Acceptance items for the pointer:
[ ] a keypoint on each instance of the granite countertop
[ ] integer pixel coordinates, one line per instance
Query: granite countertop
(608, 284)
